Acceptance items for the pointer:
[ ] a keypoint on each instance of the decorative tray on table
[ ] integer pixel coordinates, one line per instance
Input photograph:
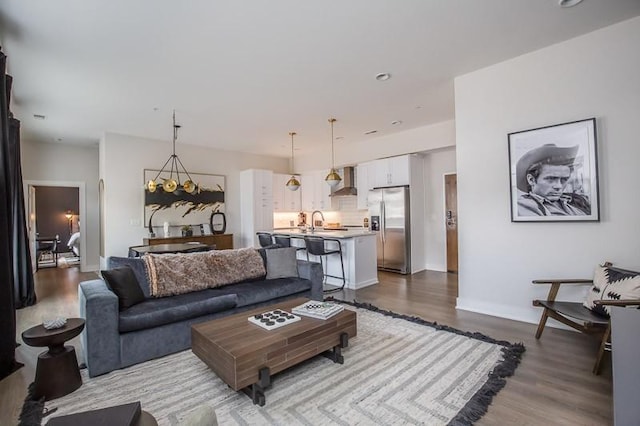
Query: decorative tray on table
(273, 319)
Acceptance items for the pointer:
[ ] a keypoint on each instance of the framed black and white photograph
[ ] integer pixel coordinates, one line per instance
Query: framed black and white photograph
(554, 173)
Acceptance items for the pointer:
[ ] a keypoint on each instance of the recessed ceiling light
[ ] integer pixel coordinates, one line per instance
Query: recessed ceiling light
(568, 3)
(39, 116)
(370, 132)
(383, 76)
(396, 122)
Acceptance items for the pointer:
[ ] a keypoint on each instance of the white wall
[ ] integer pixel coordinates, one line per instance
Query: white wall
(436, 165)
(123, 159)
(53, 162)
(595, 75)
(420, 139)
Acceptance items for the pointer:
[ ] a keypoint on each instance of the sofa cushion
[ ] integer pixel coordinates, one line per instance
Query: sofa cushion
(138, 266)
(611, 283)
(282, 263)
(264, 290)
(123, 282)
(155, 312)
(262, 251)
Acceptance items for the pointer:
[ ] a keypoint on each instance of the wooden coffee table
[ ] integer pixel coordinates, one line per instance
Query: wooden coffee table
(245, 355)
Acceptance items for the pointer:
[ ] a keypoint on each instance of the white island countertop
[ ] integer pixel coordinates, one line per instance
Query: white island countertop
(326, 233)
(358, 250)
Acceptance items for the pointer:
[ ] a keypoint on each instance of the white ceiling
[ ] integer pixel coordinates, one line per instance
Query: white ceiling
(241, 74)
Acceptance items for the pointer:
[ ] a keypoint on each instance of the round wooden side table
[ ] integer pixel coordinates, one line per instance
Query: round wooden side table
(146, 419)
(57, 372)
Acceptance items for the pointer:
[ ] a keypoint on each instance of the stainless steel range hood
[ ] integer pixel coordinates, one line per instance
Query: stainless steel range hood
(349, 184)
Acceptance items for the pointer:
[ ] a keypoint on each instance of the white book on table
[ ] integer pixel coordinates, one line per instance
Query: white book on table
(320, 310)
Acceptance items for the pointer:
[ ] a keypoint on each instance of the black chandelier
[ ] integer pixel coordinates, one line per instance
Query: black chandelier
(171, 184)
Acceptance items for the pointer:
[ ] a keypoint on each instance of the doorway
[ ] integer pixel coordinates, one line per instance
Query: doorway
(55, 213)
(451, 219)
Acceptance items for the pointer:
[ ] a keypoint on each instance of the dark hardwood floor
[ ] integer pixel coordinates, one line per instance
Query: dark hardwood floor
(552, 386)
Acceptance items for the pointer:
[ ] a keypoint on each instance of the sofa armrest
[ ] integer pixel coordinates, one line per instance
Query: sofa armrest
(312, 271)
(100, 337)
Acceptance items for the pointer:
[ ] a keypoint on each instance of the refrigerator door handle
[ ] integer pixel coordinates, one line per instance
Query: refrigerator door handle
(383, 222)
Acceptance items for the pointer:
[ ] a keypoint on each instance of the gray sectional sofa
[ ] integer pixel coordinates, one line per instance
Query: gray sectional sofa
(156, 327)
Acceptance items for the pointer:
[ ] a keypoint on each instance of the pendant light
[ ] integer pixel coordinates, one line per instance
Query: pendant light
(333, 178)
(169, 184)
(293, 183)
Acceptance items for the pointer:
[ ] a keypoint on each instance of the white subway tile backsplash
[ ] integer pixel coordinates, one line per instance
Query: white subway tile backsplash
(347, 214)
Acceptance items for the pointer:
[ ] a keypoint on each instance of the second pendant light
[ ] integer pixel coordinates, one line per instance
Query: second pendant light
(333, 178)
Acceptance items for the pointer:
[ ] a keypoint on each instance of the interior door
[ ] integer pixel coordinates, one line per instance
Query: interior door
(451, 218)
(31, 224)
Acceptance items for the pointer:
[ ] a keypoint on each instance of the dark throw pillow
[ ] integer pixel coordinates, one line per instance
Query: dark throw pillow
(123, 282)
(281, 263)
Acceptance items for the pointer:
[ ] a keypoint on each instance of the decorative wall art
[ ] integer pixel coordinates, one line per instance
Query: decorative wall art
(554, 173)
(181, 208)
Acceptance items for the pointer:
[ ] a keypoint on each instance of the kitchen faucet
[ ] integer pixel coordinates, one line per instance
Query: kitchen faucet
(313, 222)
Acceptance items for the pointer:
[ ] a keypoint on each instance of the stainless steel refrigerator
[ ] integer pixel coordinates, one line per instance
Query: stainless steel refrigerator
(389, 218)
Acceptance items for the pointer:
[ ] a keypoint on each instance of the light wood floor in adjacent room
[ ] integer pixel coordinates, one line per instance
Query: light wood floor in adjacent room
(552, 386)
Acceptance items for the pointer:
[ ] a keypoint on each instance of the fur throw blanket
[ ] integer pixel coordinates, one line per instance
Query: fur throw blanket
(171, 274)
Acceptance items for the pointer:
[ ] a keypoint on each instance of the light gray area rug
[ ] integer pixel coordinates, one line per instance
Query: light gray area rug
(398, 370)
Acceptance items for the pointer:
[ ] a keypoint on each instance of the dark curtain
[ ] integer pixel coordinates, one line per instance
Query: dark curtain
(24, 292)
(10, 184)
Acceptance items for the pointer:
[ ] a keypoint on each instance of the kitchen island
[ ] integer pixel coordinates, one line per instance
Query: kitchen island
(358, 252)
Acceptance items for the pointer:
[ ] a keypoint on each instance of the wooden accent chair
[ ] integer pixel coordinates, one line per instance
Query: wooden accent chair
(575, 315)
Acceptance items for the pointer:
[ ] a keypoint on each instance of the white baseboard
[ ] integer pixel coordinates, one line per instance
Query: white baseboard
(416, 270)
(437, 267)
(90, 268)
(363, 284)
(528, 315)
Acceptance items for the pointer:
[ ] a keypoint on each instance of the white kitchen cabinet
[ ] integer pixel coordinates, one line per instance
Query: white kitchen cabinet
(363, 184)
(256, 204)
(315, 191)
(279, 192)
(292, 200)
(308, 193)
(393, 171)
(284, 200)
(323, 191)
(399, 168)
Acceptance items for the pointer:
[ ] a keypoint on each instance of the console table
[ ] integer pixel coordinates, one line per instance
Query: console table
(220, 241)
(137, 251)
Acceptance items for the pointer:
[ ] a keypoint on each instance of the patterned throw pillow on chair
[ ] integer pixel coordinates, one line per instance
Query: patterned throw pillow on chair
(611, 283)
